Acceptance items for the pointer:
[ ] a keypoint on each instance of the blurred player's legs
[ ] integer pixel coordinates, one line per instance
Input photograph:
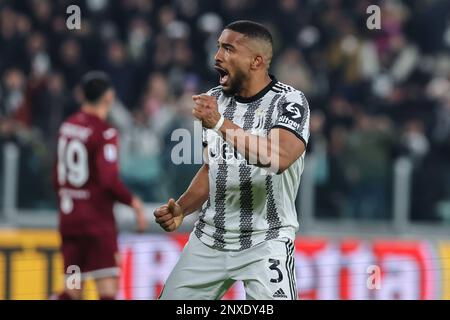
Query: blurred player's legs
(96, 257)
(107, 288)
(70, 294)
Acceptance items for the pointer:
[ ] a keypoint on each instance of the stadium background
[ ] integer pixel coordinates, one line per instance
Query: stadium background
(376, 186)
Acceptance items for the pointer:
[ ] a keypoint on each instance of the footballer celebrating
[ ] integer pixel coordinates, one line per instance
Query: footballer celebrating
(255, 134)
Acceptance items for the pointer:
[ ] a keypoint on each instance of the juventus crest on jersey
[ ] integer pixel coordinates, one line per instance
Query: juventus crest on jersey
(248, 204)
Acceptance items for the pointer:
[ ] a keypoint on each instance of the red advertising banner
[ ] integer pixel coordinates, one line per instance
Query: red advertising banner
(325, 268)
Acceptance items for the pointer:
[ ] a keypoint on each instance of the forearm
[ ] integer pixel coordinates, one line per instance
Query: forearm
(197, 192)
(276, 152)
(119, 191)
(257, 150)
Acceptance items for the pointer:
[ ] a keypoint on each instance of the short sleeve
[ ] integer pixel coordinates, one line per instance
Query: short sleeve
(108, 166)
(294, 115)
(108, 147)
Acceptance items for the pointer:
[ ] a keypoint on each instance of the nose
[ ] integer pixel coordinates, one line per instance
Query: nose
(218, 56)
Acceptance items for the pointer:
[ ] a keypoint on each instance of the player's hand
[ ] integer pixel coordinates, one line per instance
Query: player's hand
(169, 216)
(206, 110)
(141, 220)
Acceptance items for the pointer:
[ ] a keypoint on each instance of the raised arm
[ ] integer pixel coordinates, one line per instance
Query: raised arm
(277, 151)
(285, 143)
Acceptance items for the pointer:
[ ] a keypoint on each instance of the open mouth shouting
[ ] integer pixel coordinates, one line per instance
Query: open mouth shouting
(224, 75)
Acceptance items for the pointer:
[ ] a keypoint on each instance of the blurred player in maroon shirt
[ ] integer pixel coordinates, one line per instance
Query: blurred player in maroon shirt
(87, 182)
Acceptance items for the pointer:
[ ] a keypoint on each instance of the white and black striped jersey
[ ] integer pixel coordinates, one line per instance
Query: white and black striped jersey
(248, 204)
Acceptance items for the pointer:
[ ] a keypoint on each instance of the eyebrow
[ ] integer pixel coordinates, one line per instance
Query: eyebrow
(225, 45)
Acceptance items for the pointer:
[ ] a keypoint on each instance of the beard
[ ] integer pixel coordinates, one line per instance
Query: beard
(236, 83)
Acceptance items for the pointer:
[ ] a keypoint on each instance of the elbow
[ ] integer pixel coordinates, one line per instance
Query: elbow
(275, 165)
(282, 164)
(281, 169)
(275, 168)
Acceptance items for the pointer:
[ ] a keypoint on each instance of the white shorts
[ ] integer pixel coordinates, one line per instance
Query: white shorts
(203, 273)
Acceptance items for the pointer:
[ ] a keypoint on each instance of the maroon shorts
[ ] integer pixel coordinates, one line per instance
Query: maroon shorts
(95, 256)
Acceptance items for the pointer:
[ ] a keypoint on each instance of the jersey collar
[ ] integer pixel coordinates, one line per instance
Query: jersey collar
(260, 94)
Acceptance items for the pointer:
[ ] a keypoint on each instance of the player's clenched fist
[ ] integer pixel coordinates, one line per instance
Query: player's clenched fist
(206, 110)
(169, 216)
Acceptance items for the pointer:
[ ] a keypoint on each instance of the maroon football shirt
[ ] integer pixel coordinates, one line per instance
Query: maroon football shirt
(86, 176)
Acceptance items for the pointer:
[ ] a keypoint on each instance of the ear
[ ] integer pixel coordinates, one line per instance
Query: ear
(257, 62)
(109, 96)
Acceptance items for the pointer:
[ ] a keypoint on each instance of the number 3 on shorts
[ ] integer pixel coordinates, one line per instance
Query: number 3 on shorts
(274, 266)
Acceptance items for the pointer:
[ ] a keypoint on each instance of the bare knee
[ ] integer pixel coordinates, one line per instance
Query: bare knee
(71, 294)
(107, 287)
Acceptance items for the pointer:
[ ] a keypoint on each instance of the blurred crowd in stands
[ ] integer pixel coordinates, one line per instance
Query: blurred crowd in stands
(375, 95)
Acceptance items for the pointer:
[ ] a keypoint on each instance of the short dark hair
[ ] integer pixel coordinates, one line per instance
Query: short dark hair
(251, 29)
(94, 84)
